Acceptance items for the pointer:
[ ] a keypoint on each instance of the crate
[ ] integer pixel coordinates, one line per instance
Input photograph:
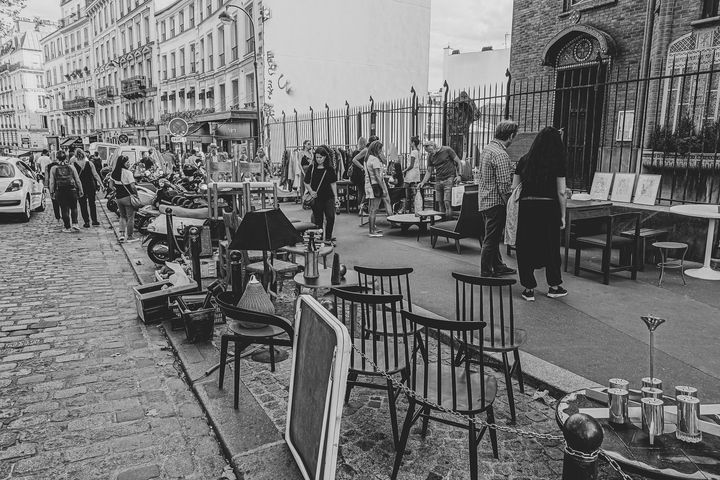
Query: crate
(151, 299)
(199, 323)
(177, 323)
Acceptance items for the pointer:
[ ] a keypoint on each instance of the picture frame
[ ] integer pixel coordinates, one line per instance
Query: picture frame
(622, 188)
(601, 184)
(625, 126)
(647, 189)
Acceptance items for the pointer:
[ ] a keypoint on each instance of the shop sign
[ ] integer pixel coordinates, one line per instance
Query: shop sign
(178, 139)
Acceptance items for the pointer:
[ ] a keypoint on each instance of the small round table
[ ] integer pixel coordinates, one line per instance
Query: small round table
(629, 445)
(712, 213)
(667, 262)
(420, 219)
(301, 248)
(323, 281)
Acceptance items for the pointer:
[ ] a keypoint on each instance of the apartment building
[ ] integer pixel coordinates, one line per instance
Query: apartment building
(206, 72)
(124, 54)
(23, 106)
(68, 78)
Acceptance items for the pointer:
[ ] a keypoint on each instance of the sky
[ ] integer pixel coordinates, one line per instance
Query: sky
(465, 25)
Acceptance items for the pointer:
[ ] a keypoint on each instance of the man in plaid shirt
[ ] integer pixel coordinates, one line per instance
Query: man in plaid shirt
(494, 190)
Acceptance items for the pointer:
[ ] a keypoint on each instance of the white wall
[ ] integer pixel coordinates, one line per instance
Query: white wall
(476, 69)
(336, 50)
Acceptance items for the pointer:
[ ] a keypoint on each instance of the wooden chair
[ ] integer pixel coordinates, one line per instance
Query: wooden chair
(609, 238)
(378, 332)
(468, 225)
(439, 382)
(392, 281)
(283, 270)
(278, 332)
(490, 300)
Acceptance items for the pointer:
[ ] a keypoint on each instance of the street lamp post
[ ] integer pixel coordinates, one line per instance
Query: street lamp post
(225, 18)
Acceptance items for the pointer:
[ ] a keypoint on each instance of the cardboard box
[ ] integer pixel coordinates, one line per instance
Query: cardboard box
(151, 299)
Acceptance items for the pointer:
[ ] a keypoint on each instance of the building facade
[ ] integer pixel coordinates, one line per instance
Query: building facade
(23, 105)
(124, 52)
(68, 76)
(206, 73)
(578, 65)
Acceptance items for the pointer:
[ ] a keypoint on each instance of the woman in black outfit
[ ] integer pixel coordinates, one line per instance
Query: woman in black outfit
(321, 182)
(541, 212)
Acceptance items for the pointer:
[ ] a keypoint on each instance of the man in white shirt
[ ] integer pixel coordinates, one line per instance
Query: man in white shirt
(43, 161)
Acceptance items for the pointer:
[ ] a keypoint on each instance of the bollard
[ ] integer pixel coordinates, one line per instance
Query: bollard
(236, 273)
(583, 434)
(195, 255)
(170, 232)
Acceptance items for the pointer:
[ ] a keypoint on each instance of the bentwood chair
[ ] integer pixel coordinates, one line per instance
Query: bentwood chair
(490, 300)
(378, 332)
(276, 332)
(392, 281)
(438, 382)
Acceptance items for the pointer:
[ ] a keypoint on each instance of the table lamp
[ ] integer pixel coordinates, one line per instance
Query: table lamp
(267, 229)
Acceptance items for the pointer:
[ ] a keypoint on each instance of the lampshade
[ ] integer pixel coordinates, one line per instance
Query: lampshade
(266, 229)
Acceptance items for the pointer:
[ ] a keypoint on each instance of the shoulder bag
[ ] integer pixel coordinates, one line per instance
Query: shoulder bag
(309, 202)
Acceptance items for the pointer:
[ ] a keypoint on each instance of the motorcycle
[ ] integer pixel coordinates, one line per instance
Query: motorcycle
(156, 237)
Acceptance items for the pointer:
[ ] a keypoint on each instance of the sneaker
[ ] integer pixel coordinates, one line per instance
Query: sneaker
(375, 234)
(132, 240)
(487, 274)
(557, 292)
(76, 227)
(121, 239)
(528, 295)
(499, 271)
(86, 225)
(66, 230)
(96, 224)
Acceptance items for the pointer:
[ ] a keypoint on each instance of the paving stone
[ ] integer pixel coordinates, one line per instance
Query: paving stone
(140, 473)
(18, 451)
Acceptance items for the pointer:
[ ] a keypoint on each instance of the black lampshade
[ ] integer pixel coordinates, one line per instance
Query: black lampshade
(266, 229)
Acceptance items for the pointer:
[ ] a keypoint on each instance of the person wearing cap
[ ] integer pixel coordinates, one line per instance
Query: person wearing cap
(446, 165)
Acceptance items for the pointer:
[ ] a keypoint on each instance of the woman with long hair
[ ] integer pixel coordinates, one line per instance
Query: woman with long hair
(541, 212)
(321, 182)
(91, 183)
(375, 188)
(124, 183)
(412, 172)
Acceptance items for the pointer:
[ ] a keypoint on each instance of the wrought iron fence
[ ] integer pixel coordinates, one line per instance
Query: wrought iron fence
(612, 121)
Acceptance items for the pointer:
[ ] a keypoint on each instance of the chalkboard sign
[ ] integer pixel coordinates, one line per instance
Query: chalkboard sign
(321, 356)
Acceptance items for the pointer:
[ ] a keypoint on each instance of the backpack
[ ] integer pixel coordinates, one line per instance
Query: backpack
(64, 177)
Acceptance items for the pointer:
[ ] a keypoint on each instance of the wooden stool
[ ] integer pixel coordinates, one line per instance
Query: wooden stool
(667, 262)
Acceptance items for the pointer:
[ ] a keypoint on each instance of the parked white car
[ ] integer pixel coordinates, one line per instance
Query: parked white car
(21, 192)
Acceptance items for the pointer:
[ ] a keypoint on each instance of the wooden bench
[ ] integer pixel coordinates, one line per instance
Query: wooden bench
(468, 225)
(645, 234)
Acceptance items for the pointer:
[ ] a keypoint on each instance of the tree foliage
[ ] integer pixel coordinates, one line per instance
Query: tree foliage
(9, 11)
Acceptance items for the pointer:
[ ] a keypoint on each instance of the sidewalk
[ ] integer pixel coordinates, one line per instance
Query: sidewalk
(253, 435)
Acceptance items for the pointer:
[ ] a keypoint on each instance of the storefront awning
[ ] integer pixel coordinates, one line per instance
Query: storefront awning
(69, 141)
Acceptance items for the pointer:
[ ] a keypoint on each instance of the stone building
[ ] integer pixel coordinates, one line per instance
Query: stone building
(580, 60)
(23, 106)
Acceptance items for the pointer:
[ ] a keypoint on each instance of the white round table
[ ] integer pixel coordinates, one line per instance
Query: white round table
(712, 213)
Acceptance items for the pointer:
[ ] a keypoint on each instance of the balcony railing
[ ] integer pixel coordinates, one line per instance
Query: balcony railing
(79, 106)
(134, 87)
(105, 95)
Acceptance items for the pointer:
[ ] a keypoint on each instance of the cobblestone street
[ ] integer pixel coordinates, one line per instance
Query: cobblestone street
(86, 390)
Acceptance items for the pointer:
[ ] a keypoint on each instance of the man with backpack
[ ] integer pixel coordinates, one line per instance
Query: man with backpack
(66, 188)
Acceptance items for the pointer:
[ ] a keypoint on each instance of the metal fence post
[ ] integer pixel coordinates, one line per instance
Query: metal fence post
(347, 124)
(297, 129)
(445, 113)
(506, 114)
(583, 436)
(373, 118)
(170, 234)
(284, 134)
(414, 110)
(312, 126)
(195, 255)
(327, 120)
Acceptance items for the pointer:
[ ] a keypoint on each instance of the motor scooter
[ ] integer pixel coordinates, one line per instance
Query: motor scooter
(156, 234)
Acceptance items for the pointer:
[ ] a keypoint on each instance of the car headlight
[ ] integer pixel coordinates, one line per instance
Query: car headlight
(14, 186)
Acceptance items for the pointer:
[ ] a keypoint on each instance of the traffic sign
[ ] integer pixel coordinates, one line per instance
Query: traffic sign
(178, 126)
(122, 138)
(178, 139)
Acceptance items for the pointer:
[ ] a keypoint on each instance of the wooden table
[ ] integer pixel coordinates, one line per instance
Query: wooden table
(577, 209)
(419, 219)
(712, 213)
(323, 281)
(630, 447)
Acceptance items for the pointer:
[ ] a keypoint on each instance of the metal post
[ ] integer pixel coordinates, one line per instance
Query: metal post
(414, 109)
(445, 113)
(327, 119)
(583, 436)
(236, 273)
(373, 118)
(347, 124)
(643, 81)
(284, 134)
(506, 114)
(195, 255)
(170, 234)
(312, 126)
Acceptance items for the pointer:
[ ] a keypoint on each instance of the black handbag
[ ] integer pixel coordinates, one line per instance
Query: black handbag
(310, 202)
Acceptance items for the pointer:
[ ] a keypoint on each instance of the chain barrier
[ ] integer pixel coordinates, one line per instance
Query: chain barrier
(593, 456)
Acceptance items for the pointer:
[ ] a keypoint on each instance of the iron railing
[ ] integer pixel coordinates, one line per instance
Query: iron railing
(676, 136)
